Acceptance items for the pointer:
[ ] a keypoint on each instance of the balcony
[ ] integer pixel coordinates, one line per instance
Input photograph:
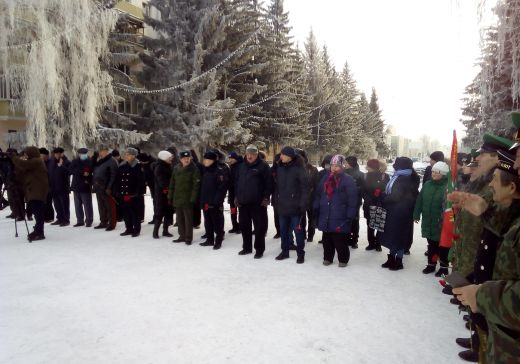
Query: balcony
(132, 10)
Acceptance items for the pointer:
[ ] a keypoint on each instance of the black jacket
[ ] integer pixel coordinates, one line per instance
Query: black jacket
(427, 174)
(130, 180)
(359, 178)
(214, 185)
(81, 171)
(254, 183)
(105, 171)
(233, 177)
(59, 176)
(373, 188)
(292, 188)
(162, 174)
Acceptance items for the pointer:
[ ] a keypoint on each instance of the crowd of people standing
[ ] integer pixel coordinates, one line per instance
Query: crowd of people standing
(485, 249)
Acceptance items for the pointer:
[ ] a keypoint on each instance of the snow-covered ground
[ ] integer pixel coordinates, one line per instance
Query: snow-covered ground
(90, 296)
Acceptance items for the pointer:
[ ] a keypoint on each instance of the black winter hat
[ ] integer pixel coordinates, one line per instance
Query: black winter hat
(403, 163)
(352, 161)
(211, 155)
(185, 153)
(115, 153)
(326, 160)
(44, 151)
(82, 151)
(288, 151)
(58, 150)
(437, 156)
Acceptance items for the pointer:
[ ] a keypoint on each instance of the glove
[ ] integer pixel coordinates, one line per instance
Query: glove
(205, 207)
(265, 202)
(165, 191)
(233, 211)
(127, 198)
(377, 192)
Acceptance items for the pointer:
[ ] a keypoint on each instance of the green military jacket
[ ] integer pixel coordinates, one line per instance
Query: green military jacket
(499, 301)
(184, 186)
(468, 227)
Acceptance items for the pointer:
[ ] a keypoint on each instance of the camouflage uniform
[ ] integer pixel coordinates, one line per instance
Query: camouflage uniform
(469, 228)
(499, 301)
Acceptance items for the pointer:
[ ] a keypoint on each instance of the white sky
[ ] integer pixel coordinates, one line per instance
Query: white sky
(418, 54)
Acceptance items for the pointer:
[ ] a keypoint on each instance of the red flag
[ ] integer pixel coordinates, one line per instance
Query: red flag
(448, 219)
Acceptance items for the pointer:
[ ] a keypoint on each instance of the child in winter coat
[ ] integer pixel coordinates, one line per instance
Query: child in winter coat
(429, 204)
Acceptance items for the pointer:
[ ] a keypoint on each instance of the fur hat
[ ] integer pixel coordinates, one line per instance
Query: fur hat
(211, 155)
(132, 151)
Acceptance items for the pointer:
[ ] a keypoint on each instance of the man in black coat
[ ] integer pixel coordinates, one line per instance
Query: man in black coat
(49, 210)
(146, 163)
(130, 186)
(253, 189)
(308, 223)
(59, 172)
(82, 170)
(234, 161)
(352, 169)
(274, 199)
(215, 179)
(435, 157)
(292, 194)
(162, 170)
(105, 171)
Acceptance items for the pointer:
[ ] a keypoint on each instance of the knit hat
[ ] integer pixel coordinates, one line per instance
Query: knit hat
(58, 150)
(374, 164)
(132, 151)
(115, 152)
(251, 148)
(164, 155)
(211, 155)
(44, 151)
(338, 160)
(403, 163)
(442, 168)
(185, 153)
(437, 156)
(82, 151)
(234, 155)
(289, 152)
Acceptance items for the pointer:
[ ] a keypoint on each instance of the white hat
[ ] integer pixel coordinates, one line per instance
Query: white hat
(441, 167)
(164, 155)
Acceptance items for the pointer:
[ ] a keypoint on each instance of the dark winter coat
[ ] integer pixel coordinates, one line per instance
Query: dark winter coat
(162, 174)
(274, 181)
(33, 175)
(233, 177)
(59, 176)
(373, 188)
(82, 172)
(254, 183)
(337, 214)
(292, 188)
(427, 174)
(147, 168)
(359, 178)
(399, 205)
(130, 180)
(215, 182)
(429, 204)
(184, 186)
(105, 171)
(314, 180)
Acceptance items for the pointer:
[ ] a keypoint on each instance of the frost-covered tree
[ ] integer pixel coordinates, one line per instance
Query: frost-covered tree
(50, 52)
(377, 131)
(189, 45)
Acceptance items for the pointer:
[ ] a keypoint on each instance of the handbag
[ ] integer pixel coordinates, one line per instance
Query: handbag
(377, 218)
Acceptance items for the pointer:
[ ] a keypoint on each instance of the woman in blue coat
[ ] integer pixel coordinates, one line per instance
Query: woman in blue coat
(399, 201)
(336, 204)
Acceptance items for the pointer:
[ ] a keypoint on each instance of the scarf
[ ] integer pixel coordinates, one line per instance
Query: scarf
(330, 184)
(397, 174)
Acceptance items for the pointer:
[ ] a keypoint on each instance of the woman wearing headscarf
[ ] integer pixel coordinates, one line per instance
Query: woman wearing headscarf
(399, 201)
(335, 205)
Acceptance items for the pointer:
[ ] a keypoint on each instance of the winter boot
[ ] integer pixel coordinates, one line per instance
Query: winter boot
(342, 264)
(217, 245)
(398, 264)
(276, 236)
(389, 262)
(469, 355)
(378, 247)
(430, 268)
(468, 343)
(282, 256)
(443, 270)
(370, 246)
(126, 233)
(327, 262)
(37, 237)
(207, 243)
(448, 290)
(156, 226)
(300, 259)
(165, 231)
